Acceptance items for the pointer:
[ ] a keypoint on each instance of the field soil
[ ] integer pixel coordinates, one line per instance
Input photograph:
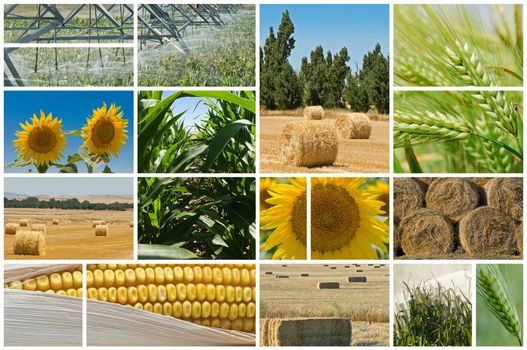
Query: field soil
(360, 156)
(74, 237)
(365, 304)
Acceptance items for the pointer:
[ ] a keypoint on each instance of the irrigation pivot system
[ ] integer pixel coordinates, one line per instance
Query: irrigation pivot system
(100, 25)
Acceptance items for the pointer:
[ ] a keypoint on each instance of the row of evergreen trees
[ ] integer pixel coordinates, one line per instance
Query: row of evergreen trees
(70, 203)
(324, 79)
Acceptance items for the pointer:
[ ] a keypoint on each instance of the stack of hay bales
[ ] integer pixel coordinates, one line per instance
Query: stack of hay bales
(353, 126)
(305, 332)
(29, 243)
(308, 143)
(435, 217)
(11, 228)
(102, 230)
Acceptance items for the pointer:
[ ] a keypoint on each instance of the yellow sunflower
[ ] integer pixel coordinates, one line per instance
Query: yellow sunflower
(265, 185)
(287, 219)
(382, 191)
(105, 131)
(41, 141)
(343, 223)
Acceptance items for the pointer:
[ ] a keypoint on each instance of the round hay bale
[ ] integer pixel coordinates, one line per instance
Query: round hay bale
(304, 275)
(24, 222)
(408, 196)
(314, 113)
(268, 272)
(95, 223)
(40, 228)
(487, 232)
(360, 270)
(332, 268)
(101, 230)
(328, 285)
(131, 224)
(282, 276)
(506, 194)
(453, 196)
(308, 144)
(358, 279)
(102, 222)
(10, 228)
(353, 126)
(519, 238)
(55, 221)
(425, 180)
(426, 232)
(29, 243)
(480, 181)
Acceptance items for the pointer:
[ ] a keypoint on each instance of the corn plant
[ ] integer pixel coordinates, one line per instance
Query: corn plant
(458, 45)
(188, 218)
(467, 131)
(222, 143)
(433, 316)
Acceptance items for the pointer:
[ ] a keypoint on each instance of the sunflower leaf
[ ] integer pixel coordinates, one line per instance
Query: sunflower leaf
(17, 163)
(73, 132)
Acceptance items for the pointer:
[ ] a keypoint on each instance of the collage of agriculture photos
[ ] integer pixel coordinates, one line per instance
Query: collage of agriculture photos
(262, 173)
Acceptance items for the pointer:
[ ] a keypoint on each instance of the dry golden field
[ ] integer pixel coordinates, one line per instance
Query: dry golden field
(365, 304)
(362, 156)
(74, 237)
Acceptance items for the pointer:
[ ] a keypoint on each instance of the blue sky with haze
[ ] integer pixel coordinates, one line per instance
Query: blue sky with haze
(70, 186)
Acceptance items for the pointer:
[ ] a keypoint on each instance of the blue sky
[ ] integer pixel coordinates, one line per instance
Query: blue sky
(74, 186)
(73, 107)
(195, 110)
(357, 27)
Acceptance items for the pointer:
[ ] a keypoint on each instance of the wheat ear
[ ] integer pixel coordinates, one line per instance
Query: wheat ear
(494, 293)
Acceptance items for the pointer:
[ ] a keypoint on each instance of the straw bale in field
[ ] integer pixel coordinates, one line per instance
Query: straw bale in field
(408, 197)
(506, 194)
(480, 181)
(519, 239)
(453, 196)
(131, 224)
(268, 272)
(360, 279)
(308, 144)
(24, 222)
(55, 221)
(332, 268)
(282, 276)
(360, 270)
(10, 228)
(101, 230)
(426, 232)
(313, 113)
(487, 231)
(96, 222)
(29, 243)
(304, 275)
(328, 285)
(353, 126)
(306, 332)
(39, 227)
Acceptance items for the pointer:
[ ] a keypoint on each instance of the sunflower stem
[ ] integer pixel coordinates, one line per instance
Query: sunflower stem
(42, 168)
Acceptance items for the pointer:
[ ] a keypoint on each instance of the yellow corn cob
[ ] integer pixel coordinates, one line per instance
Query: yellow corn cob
(221, 296)
(63, 283)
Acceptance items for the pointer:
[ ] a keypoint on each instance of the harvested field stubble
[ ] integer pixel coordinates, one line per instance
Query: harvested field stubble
(308, 144)
(305, 332)
(462, 218)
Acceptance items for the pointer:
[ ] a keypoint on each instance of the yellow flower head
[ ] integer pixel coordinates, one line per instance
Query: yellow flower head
(41, 141)
(286, 217)
(265, 185)
(105, 131)
(381, 190)
(343, 223)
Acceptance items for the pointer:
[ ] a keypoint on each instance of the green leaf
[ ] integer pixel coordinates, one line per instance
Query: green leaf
(69, 168)
(107, 170)
(156, 251)
(73, 132)
(221, 139)
(17, 163)
(396, 165)
(413, 163)
(74, 158)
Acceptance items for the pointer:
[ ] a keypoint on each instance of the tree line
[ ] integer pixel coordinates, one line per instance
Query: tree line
(70, 203)
(324, 78)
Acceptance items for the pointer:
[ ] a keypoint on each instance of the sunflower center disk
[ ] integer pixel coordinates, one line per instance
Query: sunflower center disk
(335, 217)
(42, 140)
(299, 218)
(103, 132)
